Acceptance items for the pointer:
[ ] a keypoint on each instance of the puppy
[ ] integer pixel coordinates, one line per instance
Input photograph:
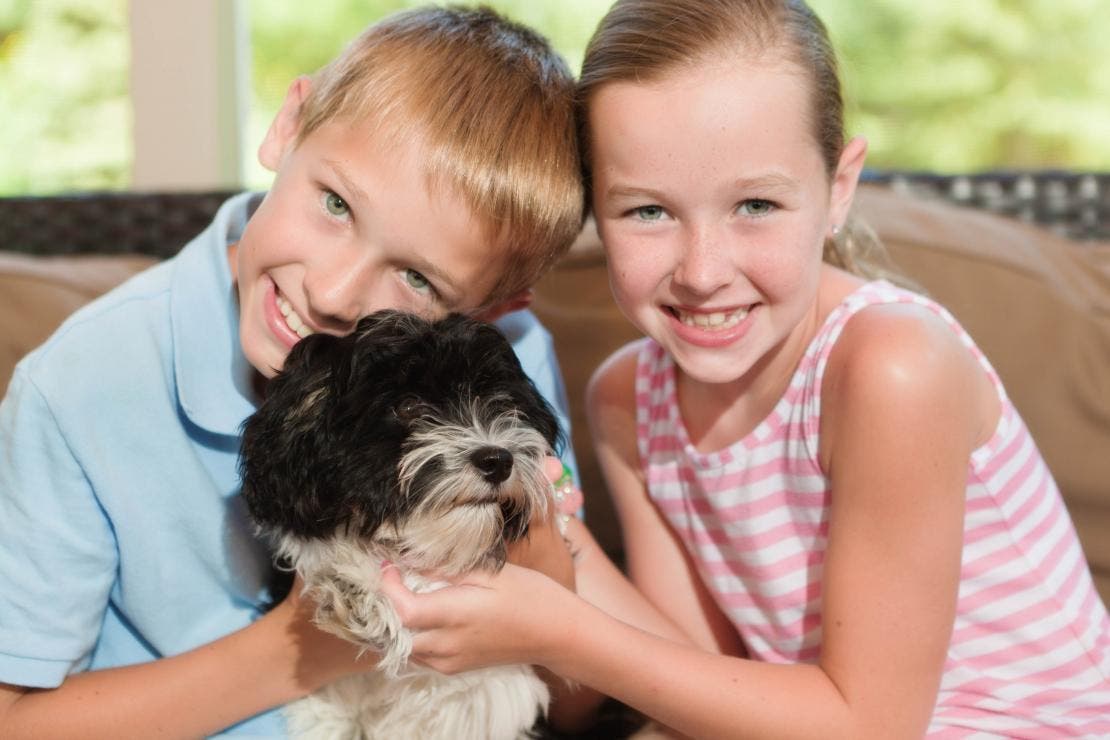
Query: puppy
(421, 443)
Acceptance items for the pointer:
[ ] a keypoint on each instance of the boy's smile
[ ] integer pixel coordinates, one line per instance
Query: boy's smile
(351, 226)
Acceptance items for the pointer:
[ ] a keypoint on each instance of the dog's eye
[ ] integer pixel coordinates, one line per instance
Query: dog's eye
(408, 409)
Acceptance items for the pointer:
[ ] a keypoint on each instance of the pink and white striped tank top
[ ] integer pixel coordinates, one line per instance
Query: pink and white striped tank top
(1030, 651)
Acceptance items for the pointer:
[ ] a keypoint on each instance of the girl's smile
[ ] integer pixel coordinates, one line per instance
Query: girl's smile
(712, 328)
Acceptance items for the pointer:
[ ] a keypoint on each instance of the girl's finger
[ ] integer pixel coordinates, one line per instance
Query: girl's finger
(553, 468)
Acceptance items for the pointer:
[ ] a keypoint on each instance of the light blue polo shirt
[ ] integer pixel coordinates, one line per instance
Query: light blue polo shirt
(122, 535)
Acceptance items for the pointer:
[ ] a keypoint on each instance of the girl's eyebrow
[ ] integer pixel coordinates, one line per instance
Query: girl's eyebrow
(773, 181)
(770, 181)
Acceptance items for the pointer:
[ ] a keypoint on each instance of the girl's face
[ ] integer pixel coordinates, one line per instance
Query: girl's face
(713, 202)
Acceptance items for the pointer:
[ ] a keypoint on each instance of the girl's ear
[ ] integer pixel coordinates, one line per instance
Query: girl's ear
(845, 180)
(282, 134)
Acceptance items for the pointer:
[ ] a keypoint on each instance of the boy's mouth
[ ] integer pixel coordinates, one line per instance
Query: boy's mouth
(711, 320)
(292, 319)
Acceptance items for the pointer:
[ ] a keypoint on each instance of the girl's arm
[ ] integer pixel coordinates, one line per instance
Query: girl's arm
(905, 404)
(278, 658)
(655, 558)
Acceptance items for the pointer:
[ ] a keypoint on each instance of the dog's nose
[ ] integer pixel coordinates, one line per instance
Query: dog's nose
(494, 463)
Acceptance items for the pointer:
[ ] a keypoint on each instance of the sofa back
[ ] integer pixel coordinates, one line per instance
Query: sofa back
(1036, 302)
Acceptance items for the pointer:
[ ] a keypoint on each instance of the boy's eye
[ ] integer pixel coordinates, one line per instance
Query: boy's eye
(649, 213)
(335, 205)
(756, 207)
(416, 280)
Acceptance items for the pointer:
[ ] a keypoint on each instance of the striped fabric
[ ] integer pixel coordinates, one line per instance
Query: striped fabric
(1030, 654)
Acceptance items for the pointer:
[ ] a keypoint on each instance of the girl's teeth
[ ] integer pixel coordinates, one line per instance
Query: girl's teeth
(715, 320)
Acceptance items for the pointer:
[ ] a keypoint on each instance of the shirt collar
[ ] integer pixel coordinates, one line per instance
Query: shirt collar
(214, 379)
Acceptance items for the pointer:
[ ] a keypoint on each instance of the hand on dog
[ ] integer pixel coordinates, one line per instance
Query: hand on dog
(545, 549)
(320, 658)
(484, 620)
(491, 619)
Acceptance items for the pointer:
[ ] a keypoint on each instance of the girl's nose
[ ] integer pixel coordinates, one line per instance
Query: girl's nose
(703, 262)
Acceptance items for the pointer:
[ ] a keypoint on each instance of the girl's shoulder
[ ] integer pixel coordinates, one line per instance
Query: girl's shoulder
(902, 356)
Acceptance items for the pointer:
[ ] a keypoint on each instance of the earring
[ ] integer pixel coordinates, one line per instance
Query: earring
(835, 231)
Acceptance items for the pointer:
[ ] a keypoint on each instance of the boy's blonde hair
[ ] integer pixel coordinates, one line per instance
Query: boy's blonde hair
(490, 106)
(643, 40)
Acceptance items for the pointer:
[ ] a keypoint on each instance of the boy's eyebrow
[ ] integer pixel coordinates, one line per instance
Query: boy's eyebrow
(630, 191)
(348, 184)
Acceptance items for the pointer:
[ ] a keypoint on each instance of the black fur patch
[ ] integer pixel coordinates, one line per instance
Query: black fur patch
(322, 451)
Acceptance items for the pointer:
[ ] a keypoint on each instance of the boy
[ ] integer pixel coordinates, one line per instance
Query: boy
(432, 167)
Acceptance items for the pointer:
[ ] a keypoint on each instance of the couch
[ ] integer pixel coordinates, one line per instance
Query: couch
(1021, 259)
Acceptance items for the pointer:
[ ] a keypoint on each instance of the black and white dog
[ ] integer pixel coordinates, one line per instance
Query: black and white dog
(421, 443)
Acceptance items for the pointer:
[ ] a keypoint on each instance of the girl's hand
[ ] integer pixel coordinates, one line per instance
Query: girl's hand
(485, 620)
(492, 619)
(545, 549)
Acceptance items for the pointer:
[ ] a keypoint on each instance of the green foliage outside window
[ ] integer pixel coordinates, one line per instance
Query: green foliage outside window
(946, 85)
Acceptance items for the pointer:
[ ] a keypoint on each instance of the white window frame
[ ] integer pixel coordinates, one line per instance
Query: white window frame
(190, 93)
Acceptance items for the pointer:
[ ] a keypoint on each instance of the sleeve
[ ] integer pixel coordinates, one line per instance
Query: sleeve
(536, 351)
(58, 556)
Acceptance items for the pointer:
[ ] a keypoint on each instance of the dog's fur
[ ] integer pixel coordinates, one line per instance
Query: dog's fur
(421, 443)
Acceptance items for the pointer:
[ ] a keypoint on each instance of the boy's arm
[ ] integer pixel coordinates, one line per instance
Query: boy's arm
(278, 658)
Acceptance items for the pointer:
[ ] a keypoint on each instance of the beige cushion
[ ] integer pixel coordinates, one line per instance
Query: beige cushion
(1038, 305)
(36, 293)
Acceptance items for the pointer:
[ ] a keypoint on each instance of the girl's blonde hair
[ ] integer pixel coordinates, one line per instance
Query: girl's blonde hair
(644, 40)
(490, 106)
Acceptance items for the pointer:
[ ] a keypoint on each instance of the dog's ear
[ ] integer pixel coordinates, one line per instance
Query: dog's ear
(502, 370)
(289, 429)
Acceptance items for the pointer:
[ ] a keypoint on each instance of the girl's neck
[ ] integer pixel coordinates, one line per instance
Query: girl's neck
(718, 415)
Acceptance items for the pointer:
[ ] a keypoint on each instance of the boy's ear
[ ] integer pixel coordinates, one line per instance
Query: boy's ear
(516, 302)
(845, 180)
(282, 133)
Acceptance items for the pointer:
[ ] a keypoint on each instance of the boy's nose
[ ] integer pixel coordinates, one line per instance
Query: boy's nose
(338, 292)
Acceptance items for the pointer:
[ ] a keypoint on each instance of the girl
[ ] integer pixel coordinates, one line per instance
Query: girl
(821, 482)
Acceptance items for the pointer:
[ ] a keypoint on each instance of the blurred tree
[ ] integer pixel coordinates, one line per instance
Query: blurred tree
(961, 86)
(63, 91)
(946, 85)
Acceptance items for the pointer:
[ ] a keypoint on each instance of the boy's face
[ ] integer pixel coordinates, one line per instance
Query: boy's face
(350, 227)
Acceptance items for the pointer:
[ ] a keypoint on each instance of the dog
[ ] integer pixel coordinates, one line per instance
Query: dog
(412, 441)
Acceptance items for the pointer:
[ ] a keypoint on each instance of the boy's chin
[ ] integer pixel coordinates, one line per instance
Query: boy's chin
(266, 358)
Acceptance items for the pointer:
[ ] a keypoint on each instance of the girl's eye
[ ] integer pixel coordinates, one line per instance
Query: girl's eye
(756, 207)
(649, 213)
(335, 205)
(417, 281)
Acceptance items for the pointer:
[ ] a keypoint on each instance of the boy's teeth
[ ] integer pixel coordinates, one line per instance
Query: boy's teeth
(292, 319)
(715, 320)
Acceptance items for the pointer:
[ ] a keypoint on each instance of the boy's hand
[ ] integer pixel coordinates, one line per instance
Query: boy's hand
(321, 657)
